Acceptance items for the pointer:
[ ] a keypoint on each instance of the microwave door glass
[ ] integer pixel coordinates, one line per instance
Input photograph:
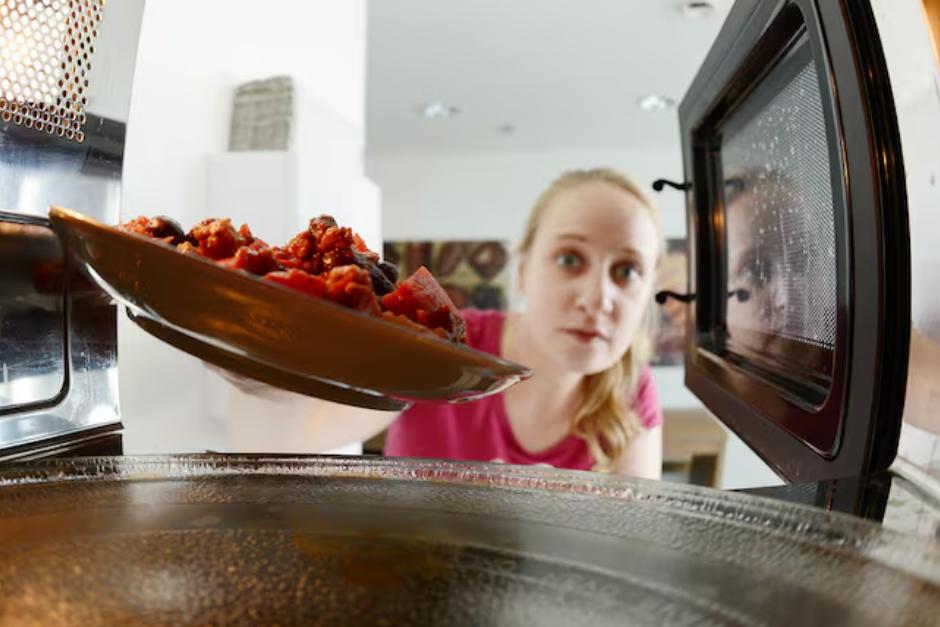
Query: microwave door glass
(780, 241)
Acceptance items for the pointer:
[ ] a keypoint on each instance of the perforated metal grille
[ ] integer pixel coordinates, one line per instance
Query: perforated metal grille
(779, 217)
(46, 48)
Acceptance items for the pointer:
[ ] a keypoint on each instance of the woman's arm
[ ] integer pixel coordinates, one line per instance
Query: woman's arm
(331, 425)
(643, 457)
(264, 419)
(923, 389)
(300, 425)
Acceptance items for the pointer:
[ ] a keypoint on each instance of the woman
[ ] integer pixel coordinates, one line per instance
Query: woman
(587, 272)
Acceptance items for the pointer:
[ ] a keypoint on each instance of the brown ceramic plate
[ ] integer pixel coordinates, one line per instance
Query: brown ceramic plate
(272, 333)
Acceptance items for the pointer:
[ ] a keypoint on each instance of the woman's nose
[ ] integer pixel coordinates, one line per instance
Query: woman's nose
(596, 294)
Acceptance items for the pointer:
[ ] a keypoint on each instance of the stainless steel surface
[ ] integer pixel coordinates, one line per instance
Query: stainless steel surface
(268, 331)
(914, 500)
(32, 318)
(203, 539)
(65, 80)
(48, 47)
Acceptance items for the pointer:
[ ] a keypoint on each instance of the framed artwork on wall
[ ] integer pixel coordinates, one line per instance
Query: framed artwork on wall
(474, 273)
(670, 336)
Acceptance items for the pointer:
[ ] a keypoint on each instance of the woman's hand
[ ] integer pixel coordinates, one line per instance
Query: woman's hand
(248, 386)
(643, 456)
(263, 418)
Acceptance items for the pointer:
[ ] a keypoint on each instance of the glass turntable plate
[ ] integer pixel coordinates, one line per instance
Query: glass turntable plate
(272, 333)
(360, 541)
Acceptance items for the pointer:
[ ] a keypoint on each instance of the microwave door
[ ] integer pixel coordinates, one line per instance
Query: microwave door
(799, 259)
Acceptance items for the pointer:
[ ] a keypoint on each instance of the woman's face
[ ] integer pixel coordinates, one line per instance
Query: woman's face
(588, 276)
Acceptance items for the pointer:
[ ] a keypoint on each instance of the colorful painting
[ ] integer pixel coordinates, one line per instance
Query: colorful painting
(474, 273)
(670, 340)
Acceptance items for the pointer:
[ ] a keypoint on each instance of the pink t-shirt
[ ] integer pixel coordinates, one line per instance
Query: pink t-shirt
(481, 431)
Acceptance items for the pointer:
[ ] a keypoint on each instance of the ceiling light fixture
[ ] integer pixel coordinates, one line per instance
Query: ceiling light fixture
(435, 109)
(697, 9)
(655, 103)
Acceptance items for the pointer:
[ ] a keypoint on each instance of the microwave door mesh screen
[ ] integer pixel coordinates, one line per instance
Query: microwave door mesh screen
(779, 218)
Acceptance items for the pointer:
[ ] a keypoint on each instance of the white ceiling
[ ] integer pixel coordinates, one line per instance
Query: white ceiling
(562, 73)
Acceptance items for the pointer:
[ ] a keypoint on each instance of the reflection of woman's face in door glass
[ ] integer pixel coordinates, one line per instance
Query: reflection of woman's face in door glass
(754, 266)
(766, 245)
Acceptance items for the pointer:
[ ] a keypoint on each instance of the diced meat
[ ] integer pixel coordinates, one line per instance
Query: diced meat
(215, 239)
(302, 251)
(337, 247)
(162, 228)
(350, 286)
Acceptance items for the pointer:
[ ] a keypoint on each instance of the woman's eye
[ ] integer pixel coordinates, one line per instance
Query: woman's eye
(625, 272)
(755, 272)
(569, 260)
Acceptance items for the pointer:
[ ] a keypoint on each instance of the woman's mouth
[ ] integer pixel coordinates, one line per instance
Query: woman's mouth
(586, 336)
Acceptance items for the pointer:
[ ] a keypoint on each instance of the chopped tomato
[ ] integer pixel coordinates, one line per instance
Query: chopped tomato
(299, 280)
(422, 299)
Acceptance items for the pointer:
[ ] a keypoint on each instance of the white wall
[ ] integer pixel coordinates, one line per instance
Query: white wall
(191, 57)
(489, 194)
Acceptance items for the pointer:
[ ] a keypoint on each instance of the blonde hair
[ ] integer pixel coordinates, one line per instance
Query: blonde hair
(606, 420)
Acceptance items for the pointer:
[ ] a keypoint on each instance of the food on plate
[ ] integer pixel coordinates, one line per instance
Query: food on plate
(325, 261)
